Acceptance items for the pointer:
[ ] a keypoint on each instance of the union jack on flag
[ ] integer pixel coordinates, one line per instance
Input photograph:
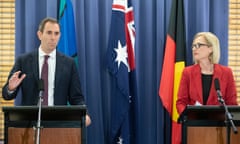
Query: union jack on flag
(121, 64)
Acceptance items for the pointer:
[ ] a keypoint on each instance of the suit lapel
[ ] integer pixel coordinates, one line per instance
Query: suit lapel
(197, 82)
(35, 65)
(217, 74)
(58, 70)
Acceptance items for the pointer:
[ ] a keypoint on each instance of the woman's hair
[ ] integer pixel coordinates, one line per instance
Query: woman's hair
(213, 42)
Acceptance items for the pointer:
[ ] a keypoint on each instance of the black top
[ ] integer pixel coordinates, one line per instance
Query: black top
(206, 86)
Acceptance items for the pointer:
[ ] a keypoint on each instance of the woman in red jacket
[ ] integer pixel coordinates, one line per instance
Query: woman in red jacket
(197, 82)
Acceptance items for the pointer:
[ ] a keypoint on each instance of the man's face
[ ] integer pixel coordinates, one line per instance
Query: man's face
(49, 37)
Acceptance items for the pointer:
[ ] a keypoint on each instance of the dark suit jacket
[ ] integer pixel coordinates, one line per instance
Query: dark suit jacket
(67, 84)
(190, 88)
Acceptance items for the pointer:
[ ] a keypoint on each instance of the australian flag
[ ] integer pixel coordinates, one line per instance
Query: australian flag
(121, 64)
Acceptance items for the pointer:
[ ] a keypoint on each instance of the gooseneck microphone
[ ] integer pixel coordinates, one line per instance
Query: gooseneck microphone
(229, 118)
(38, 127)
(40, 87)
(216, 83)
(217, 87)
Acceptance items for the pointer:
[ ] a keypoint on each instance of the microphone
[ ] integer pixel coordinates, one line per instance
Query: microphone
(38, 125)
(41, 85)
(216, 83)
(217, 87)
(227, 113)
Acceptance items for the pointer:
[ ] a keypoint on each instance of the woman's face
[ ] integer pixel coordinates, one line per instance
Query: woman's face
(201, 49)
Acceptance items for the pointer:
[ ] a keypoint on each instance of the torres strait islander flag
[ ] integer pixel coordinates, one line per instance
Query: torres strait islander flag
(121, 65)
(173, 65)
(67, 42)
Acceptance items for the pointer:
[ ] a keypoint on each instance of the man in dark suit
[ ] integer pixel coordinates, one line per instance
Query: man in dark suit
(63, 80)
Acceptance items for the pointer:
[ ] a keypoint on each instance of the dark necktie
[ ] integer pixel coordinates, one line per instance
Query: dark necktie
(44, 76)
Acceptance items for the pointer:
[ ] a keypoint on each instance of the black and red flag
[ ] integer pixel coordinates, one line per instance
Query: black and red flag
(173, 65)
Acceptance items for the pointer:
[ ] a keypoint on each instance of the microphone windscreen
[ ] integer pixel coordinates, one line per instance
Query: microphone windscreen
(216, 84)
(41, 85)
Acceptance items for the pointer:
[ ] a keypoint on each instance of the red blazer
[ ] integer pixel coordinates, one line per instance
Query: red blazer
(190, 88)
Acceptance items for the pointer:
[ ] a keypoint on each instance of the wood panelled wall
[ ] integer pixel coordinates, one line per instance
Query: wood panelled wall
(7, 44)
(234, 41)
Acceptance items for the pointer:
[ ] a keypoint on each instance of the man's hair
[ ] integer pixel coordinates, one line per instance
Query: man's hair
(44, 21)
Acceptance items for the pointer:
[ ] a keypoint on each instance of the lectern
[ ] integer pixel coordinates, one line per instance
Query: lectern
(59, 124)
(207, 124)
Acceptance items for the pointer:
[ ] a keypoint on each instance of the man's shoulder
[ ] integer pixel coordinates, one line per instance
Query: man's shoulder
(63, 56)
(28, 54)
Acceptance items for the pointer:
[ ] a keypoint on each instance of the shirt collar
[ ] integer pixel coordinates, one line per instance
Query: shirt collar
(42, 53)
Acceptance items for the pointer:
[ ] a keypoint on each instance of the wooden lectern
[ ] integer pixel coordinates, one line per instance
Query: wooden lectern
(59, 124)
(207, 125)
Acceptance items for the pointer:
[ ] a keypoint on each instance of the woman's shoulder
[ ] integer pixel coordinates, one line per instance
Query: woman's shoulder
(222, 67)
(192, 67)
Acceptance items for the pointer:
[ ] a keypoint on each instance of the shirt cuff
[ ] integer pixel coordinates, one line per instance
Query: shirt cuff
(10, 92)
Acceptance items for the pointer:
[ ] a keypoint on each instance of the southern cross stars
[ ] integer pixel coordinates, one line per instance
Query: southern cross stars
(122, 55)
(120, 140)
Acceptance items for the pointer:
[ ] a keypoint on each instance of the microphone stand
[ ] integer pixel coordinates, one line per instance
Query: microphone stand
(229, 119)
(38, 127)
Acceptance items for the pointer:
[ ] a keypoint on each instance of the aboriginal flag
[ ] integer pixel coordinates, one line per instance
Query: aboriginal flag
(173, 65)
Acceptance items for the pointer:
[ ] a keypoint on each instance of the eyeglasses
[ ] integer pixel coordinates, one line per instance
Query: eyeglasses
(198, 45)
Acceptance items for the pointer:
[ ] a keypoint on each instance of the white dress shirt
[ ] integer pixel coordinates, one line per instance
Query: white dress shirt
(51, 72)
